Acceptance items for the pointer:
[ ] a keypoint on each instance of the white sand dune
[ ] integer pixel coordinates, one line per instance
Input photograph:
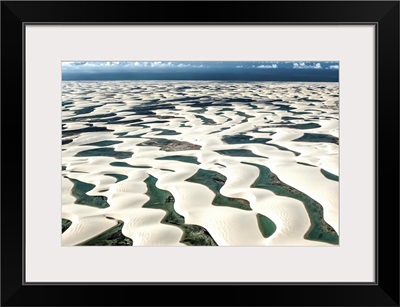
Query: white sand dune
(118, 162)
(83, 229)
(323, 190)
(144, 228)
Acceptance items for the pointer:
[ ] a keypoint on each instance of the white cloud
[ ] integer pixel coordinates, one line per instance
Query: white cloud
(76, 65)
(267, 66)
(183, 65)
(303, 65)
(333, 66)
(125, 65)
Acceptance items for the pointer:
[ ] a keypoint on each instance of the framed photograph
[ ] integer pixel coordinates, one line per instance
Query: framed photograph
(240, 153)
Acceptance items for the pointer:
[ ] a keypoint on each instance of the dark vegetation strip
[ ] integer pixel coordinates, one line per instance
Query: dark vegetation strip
(246, 116)
(243, 139)
(86, 110)
(119, 177)
(66, 141)
(267, 226)
(317, 137)
(65, 224)
(88, 118)
(295, 126)
(239, 153)
(166, 131)
(79, 190)
(133, 136)
(170, 145)
(187, 159)
(220, 130)
(206, 120)
(319, 229)
(284, 148)
(103, 143)
(110, 237)
(66, 133)
(194, 235)
(214, 181)
(104, 152)
(306, 164)
(329, 175)
(124, 164)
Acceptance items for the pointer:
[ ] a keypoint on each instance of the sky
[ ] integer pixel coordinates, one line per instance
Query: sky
(318, 71)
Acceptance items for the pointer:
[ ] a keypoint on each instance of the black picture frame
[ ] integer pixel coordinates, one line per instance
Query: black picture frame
(383, 14)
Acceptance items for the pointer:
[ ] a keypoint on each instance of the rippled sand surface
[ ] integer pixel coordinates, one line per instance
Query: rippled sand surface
(176, 163)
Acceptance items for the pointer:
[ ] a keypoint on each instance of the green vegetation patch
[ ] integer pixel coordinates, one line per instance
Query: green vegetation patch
(329, 175)
(104, 152)
(79, 191)
(244, 139)
(103, 143)
(318, 137)
(162, 199)
(196, 235)
(238, 153)
(283, 148)
(306, 164)
(110, 237)
(65, 224)
(187, 159)
(170, 145)
(166, 131)
(119, 177)
(214, 181)
(267, 226)
(124, 164)
(319, 230)
(206, 120)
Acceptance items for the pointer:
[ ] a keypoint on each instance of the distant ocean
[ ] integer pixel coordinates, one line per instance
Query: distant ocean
(279, 74)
